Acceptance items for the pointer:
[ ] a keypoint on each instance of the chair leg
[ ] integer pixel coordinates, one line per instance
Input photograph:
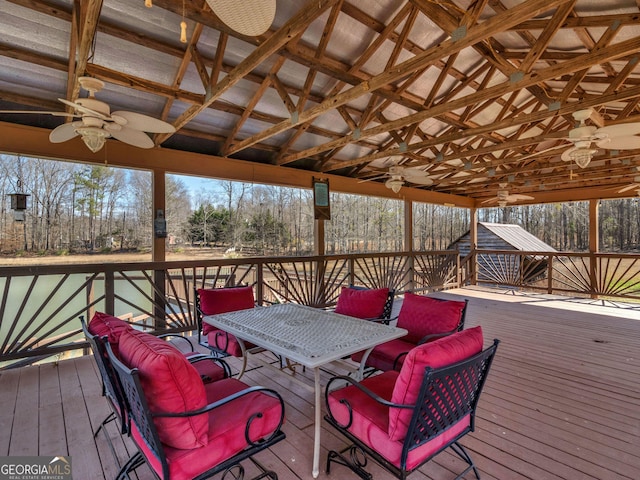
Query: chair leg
(356, 462)
(464, 455)
(134, 462)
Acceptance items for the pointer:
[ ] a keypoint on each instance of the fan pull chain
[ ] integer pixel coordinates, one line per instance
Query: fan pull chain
(148, 3)
(183, 27)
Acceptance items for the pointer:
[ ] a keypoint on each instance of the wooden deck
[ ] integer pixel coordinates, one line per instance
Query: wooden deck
(562, 401)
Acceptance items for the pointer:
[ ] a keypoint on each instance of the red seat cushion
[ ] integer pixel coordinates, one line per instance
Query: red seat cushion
(440, 353)
(422, 316)
(362, 303)
(105, 325)
(171, 384)
(382, 357)
(221, 300)
(225, 434)
(371, 420)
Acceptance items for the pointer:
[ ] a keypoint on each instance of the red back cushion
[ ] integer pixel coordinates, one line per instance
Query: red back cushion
(105, 325)
(222, 300)
(425, 315)
(170, 384)
(362, 303)
(440, 353)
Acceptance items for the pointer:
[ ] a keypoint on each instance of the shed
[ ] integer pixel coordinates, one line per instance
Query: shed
(505, 268)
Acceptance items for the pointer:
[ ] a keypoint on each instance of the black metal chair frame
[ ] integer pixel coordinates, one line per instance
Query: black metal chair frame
(112, 390)
(428, 419)
(198, 357)
(110, 387)
(222, 352)
(138, 412)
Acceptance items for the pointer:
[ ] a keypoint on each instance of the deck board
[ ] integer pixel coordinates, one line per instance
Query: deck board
(561, 402)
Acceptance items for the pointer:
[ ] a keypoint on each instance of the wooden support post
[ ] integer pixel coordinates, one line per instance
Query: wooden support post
(594, 245)
(159, 250)
(320, 298)
(318, 232)
(473, 245)
(408, 244)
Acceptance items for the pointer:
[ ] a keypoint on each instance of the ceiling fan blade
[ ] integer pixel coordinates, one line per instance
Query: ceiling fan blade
(132, 137)
(38, 112)
(84, 110)
(619, 143)
(63, 133)
(620, 130)
(491, 200)
(144, 123)
(419, 180)
(517, 196)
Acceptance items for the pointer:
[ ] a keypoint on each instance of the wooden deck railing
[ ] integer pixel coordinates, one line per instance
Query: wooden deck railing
(39, 306)
(595, 275)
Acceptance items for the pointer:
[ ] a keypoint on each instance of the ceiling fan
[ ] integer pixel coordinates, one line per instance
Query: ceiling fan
(613, 137)
(503, 197)
(399, 175)
(96, 122)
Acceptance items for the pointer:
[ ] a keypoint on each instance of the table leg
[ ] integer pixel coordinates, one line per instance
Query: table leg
(363, 363)
(318, 412)
(243, 349)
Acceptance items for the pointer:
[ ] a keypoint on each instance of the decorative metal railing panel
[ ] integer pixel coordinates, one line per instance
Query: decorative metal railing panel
(39, 306)
(306, 281)
(571, 273)
(618, 276)
(600, 275)
(435, 270)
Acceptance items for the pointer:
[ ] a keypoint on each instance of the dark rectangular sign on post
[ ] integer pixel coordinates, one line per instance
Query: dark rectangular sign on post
(321, 207)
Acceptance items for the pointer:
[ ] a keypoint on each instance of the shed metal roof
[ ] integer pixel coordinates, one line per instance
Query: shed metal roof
(518, 237)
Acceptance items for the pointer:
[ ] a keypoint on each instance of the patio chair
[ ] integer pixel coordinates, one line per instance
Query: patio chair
(404, 419)
(209, 367)
(426, 319)
(366, 303)
(211, 301)
(110, 387)
(185, 429)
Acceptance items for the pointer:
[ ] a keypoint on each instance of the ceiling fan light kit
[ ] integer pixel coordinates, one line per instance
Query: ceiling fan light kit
(395, 184)
(611, 137)
(93, 137)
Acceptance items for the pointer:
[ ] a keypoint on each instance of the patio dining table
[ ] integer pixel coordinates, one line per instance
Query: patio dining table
(308, 336)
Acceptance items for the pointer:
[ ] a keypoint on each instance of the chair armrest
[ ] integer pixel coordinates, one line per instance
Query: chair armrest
(435, 336)
(199, 357)
(167, 335)
(365, 390)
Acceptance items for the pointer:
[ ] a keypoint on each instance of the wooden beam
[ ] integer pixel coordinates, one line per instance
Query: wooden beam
(593, 58)
(481, 31)
(88, 17)
(289, 30)
(31, 141)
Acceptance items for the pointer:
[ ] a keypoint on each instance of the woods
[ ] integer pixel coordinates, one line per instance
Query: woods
(74, 208)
